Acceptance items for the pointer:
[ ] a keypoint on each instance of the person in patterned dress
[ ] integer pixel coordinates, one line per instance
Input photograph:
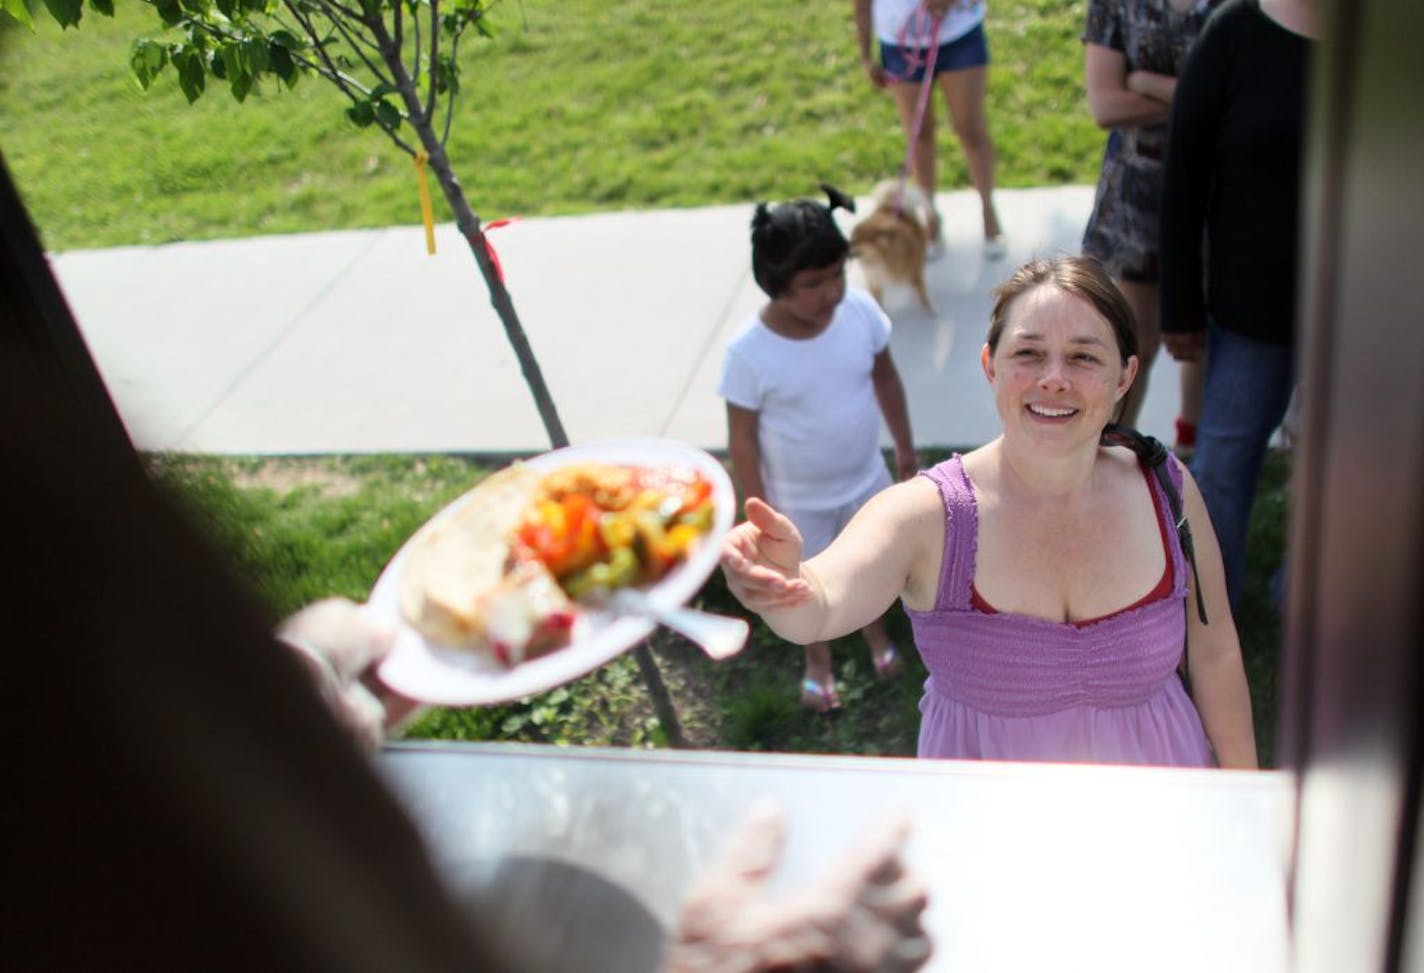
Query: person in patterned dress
(1133, 52)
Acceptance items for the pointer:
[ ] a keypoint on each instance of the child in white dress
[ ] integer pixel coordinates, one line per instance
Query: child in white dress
(807, 381)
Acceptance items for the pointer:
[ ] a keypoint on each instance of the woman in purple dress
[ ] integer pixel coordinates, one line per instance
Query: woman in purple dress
(1043, 573)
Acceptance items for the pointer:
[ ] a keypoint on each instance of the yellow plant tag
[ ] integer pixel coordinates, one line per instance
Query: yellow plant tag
(426, 213)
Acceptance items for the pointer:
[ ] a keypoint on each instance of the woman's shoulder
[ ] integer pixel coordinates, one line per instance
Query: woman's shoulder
(1119, 460)
(947, 474)
(1120, 470)
(905, 509)
(914, 497)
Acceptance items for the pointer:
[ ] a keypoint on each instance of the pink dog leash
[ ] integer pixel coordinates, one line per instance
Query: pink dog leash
(926, 85)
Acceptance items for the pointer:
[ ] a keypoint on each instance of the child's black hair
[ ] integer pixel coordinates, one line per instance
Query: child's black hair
(796, 236)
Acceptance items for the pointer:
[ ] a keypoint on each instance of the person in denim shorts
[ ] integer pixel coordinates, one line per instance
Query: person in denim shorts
(961, 64)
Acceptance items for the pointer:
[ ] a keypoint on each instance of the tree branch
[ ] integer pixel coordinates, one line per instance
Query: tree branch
(354, 41)
(323, 64)
(213, 31)
(346, 84)
(450, 102)
(434, 70)
(400, 143)
(324, 7)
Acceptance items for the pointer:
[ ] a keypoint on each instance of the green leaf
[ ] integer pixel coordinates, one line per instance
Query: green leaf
(389, 114)
(241, 84)
(285, 38)
(147, 58)
(447, 75)
(234, 61)
(475, 16)
(238, 68)
(227, 8)
(255, 49)
(192, 73)
(105, 7)
(169, 11)
(198, 36)
(361, 114)
(67, 12)
(20, 11)
(281, 62)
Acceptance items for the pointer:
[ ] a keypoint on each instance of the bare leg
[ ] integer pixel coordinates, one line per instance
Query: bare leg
(1142, 297)
(964, 95)
(818, 673)
(922, 159)
(882, 652)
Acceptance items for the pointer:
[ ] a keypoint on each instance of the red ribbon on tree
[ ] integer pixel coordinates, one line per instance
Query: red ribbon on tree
(489, 247)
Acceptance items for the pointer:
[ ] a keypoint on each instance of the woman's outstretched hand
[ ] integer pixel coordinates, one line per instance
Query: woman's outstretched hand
(761, 559)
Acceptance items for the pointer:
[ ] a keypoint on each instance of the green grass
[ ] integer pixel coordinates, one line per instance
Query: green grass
(300, 529)
(575, 106)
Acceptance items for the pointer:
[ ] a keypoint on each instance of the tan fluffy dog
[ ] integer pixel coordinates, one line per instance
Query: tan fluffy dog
(892, 241)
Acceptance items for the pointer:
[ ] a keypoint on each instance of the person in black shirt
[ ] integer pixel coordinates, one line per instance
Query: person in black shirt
(1231, 192)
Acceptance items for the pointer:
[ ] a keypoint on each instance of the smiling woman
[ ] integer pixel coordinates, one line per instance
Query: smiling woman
(1043, 573)
(1061, 365)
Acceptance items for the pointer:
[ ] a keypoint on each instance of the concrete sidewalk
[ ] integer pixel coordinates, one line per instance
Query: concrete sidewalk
(358, 342)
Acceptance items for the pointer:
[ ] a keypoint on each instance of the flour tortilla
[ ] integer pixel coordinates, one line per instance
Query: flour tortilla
(458, 578)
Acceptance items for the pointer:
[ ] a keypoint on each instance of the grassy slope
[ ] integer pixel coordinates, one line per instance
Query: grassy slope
(579, 105)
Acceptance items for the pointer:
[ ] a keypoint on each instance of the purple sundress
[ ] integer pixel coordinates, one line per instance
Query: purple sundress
(1010, 687)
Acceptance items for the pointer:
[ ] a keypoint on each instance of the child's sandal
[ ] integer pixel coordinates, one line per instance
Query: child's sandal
(887, 664)
(819, 697)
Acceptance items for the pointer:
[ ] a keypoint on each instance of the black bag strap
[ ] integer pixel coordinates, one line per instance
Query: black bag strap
(1153, 457)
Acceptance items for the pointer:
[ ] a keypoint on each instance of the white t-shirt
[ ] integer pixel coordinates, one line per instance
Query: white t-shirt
(818, 421)
(905, 23)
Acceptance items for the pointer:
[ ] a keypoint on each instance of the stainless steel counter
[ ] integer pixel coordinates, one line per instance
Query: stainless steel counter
(581, 856)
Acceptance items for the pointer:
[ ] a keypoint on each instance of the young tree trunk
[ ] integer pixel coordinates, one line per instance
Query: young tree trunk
(469, 225)
(470, 228)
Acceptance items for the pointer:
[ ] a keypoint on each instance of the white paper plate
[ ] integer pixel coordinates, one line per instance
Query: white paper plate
(446, 677)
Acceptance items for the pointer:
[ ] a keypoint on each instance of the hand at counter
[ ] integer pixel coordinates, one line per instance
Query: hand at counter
(864, 914)
(342, 645)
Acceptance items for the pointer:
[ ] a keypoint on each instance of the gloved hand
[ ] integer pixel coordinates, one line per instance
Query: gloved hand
(863, 915)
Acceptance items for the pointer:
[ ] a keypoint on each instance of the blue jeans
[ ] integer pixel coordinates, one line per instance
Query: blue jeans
(1248, 388)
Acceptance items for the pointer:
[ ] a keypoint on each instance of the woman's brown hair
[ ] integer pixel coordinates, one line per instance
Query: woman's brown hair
(1082, 277)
